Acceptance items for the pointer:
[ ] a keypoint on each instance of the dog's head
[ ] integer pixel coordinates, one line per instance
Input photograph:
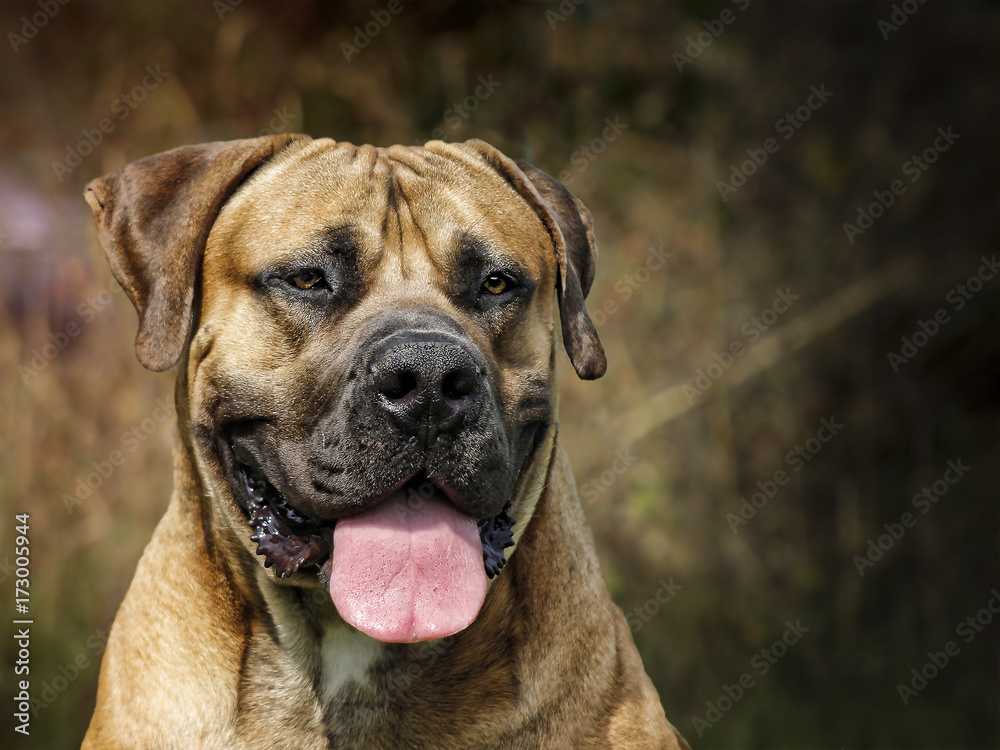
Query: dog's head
(367, 351)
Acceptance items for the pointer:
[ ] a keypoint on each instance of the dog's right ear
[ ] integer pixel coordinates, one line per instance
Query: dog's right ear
(153, 218)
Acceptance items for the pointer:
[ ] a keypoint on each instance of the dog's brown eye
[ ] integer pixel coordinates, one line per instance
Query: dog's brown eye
(306, 279)
(495, 284)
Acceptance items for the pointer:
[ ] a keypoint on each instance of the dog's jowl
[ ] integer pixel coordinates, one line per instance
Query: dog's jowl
(366, 393)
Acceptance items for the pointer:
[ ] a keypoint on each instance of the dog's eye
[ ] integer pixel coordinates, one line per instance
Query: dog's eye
(309, 279)
(496, 283)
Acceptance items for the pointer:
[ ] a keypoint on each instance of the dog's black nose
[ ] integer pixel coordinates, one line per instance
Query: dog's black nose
(426, 383)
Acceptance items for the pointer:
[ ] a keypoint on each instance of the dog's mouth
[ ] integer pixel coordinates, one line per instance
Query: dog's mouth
(291, 542)
(410, 567)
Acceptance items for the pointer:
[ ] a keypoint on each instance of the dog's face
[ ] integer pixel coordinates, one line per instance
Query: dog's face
(370, 320)
(374, 327)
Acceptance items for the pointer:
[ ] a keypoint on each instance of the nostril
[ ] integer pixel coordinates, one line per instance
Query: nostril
(397, 385)
(459, 383)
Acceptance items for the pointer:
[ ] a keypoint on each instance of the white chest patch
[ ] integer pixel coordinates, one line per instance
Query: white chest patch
(347, 654)
(339, 654)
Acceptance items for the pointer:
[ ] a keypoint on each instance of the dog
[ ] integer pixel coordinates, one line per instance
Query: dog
(374, 539)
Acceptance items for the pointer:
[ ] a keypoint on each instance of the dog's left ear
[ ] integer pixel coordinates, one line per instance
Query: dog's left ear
(577, 264)
(572, 230)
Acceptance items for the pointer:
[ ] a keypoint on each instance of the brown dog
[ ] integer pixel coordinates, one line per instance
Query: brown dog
(366, 407)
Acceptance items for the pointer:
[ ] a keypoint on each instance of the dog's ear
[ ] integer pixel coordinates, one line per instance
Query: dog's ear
(153, 218)
(572, 230)
(577, 264)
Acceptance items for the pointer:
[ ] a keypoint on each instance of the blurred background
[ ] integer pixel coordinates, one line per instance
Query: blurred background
(785, 197)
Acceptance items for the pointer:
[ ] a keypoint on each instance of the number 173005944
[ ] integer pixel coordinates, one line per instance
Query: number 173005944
(22, 552)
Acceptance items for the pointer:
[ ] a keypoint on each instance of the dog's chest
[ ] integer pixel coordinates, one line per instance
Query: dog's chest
(346, 656)
(297, 666)
(326, 685)
(327, 688)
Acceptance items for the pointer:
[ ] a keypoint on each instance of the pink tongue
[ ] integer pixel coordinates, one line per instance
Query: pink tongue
(403, 575)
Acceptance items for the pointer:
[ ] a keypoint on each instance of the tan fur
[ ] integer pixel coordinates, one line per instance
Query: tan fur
(209, 648)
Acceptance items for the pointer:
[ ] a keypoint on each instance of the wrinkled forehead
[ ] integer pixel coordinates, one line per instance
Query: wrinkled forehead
(384, 199)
